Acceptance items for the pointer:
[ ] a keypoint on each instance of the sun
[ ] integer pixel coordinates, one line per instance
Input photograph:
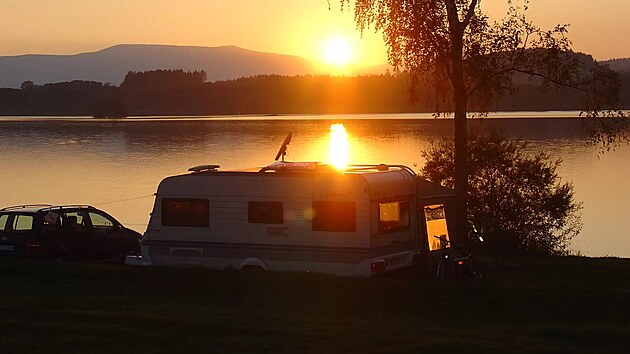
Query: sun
(337, 51)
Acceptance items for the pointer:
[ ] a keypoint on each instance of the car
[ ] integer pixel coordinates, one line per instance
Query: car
(65, 232)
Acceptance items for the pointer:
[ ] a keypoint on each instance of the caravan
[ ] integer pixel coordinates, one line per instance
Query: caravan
(292, 216)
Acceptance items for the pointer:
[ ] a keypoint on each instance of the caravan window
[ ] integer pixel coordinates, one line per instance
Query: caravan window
(393, 216)
(185, 212)
(334, 216)
(265, 213)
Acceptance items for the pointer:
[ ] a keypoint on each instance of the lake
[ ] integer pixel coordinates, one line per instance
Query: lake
(117, 164)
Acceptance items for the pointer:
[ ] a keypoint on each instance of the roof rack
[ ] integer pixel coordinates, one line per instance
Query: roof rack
(79, 206)
(379, 167)
(281, 166)
(17, 207)
(41, 207)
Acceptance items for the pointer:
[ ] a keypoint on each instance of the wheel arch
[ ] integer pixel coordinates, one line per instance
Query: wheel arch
(253, 262)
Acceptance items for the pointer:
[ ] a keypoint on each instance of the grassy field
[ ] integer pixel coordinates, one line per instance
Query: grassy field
(553, 305)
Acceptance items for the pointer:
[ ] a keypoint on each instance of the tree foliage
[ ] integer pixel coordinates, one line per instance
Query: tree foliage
(472, 61)
(263, 94)
(423, 36)
(163, 78)
(516, 199)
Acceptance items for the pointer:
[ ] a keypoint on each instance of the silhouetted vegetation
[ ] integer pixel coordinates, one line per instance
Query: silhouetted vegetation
(176, 92)
(165, 92)
(111, 107)
(473, 61)
(64, 98)
(515, 200)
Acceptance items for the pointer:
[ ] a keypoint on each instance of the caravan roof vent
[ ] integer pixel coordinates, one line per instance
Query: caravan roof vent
(204, 168)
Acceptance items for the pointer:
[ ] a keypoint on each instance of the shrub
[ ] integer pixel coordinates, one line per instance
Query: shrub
(516, 199)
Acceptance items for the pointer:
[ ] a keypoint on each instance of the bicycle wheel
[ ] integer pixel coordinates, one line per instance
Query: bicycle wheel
(439, 274)
(477, 271)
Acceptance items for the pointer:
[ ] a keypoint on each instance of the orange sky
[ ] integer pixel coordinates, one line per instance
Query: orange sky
(299, 27)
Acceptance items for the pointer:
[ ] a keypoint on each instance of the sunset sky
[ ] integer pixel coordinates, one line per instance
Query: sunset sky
(298, 27)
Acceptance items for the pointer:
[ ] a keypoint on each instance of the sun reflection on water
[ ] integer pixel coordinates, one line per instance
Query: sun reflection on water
(339, 148)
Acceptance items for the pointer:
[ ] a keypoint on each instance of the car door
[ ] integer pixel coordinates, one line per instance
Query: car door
(78, 242)
(105, 229)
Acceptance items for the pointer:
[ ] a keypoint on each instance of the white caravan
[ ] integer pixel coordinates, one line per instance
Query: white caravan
(296, 217)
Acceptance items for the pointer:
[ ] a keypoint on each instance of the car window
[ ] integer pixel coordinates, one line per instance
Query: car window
(72, 222)
(52, 222)
(22, 222)
(3, 220)
(100, 220)
(75, 215)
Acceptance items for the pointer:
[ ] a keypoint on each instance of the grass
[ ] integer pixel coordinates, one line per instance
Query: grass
(551, 305)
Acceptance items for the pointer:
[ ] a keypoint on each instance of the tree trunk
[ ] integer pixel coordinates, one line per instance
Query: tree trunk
(461, 153)
(461, 132)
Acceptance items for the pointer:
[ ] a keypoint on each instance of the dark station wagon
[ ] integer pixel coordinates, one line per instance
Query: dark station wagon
(70, 232)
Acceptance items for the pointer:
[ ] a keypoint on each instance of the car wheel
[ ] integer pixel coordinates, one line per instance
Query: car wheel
(128, 250)
(66, 253)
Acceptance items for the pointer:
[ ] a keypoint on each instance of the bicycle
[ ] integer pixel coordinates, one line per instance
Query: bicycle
(455, 263)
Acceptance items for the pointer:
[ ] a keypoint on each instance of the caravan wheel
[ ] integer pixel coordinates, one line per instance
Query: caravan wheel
(252, 269)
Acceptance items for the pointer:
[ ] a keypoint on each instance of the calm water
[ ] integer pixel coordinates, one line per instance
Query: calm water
(117, 165)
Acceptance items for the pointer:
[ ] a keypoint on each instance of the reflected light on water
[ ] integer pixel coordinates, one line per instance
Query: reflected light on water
(339, 150)
(87, 161)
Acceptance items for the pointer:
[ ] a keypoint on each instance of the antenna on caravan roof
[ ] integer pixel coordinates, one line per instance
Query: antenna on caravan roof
(283, 149)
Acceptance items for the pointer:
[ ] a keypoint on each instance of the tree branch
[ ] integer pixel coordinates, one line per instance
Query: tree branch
(478, 84)
(579, 86)
(470, 13)
(557, 82)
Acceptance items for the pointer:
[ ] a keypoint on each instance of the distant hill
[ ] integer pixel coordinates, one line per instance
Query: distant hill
(111, 64)
(622, 64)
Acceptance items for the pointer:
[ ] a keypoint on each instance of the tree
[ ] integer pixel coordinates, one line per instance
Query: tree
(515, 200)
(471, 60)
(28, 85)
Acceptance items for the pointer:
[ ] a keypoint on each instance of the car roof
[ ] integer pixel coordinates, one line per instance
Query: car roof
(36, 208)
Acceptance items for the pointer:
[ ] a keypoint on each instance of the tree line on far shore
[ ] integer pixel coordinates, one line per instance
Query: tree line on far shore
(178, 92)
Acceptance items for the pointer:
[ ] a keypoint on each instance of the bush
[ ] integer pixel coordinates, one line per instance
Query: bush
(516, 199)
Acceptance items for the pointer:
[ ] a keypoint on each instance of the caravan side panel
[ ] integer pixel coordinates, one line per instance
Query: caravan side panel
(233, 234)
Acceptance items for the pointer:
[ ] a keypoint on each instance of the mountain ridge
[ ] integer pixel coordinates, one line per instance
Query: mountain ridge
(111, 64)
(227, 62)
